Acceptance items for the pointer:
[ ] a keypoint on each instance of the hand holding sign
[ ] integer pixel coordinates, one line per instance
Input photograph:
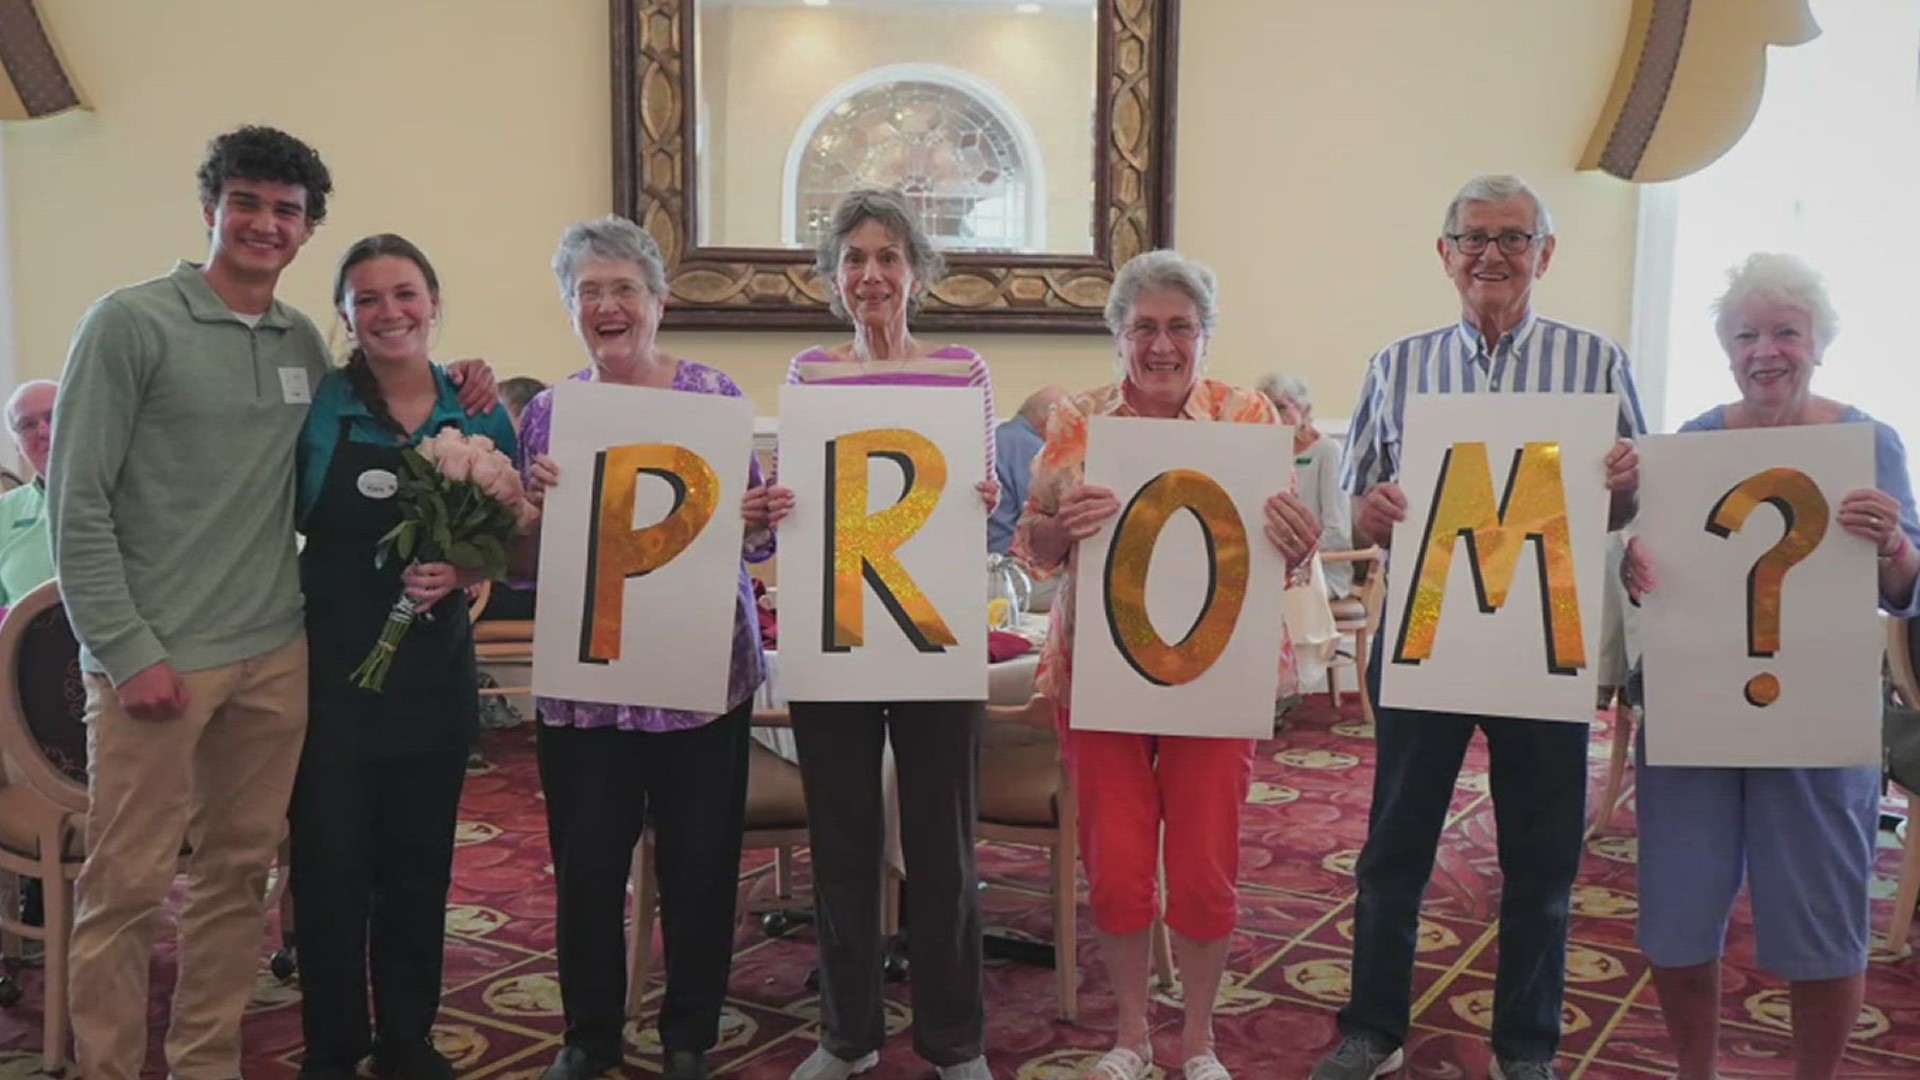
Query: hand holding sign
(1761, 643)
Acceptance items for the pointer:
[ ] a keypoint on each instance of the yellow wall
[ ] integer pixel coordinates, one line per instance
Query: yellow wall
(767, 68)
(1318, 144)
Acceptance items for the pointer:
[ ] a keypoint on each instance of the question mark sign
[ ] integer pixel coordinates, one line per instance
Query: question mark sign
(1799, 501)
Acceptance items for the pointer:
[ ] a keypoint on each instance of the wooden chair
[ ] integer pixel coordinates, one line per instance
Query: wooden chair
(1901, 669)
(43, 804)
(1026, 797)
(500, 641)
(1358, 613)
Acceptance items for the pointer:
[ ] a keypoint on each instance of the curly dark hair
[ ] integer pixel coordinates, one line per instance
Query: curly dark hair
(366, 389)
(254, 152)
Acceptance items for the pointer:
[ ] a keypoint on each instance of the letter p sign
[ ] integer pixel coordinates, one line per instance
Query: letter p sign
(617, 551)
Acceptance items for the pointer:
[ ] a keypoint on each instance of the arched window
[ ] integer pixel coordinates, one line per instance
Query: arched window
(952, 142)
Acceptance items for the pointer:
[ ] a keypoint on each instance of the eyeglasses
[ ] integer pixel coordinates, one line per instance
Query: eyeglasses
(622, 291)
(1146, 331)
(1511, 242)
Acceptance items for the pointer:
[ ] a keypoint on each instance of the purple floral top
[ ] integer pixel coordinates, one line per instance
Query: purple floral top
(749, 665)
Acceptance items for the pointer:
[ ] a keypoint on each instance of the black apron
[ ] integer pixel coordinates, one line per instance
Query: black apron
(430, 701)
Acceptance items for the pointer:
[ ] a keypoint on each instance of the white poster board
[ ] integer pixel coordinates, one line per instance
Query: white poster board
(1178, 600)
(632, 610)
(1722, 603)
(883, 598)
(1452, 641)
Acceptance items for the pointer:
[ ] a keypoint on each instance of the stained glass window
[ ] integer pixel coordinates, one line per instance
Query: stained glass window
(957, 161)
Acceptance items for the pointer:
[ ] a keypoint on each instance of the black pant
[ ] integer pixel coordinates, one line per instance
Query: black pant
(936, 747)
(372, 858)
(602, 786)
(1538, 775)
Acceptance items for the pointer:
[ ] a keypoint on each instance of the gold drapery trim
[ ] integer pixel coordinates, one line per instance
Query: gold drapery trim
(33, 80)
(1689, 83)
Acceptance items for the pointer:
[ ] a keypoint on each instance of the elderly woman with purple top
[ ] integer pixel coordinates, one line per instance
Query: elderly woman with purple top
(607, 769)
(878, 262)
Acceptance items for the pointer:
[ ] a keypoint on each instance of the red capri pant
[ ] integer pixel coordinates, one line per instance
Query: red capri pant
(1128, 787)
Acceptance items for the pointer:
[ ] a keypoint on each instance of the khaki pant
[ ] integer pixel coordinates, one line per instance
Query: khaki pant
(217, 778)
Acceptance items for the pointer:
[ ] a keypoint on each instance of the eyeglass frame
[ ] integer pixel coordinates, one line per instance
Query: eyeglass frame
(1147, 333)
(1496, 241)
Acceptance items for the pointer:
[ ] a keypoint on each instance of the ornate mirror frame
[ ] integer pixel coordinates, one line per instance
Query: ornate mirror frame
(773, 288)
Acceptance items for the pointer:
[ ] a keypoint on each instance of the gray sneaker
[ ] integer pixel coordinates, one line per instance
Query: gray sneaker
(1357, 1058)
(1522, 1070)
(967, 1070)
(822, 1065)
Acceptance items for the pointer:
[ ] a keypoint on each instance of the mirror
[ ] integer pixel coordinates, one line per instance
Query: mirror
(981, 112)
(1035, 136)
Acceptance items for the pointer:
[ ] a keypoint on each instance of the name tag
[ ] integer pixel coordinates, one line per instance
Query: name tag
(293, 386)
(378, 484)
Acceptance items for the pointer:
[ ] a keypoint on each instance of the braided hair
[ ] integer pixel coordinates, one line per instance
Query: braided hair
(360, 378)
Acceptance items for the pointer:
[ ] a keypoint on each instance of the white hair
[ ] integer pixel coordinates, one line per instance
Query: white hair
(1163, 269)
(1781, 277)
(1494, 188)
(21, 391)
(614, 238)
(1289, 386)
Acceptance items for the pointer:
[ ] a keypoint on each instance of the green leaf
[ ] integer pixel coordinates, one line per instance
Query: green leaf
(463, 554)
(405, 543)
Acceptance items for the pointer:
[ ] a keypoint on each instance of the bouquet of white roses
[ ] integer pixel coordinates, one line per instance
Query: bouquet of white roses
(460, 501)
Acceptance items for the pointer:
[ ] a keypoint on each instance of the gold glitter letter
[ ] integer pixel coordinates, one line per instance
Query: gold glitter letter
(1533, 508)
(1227, 567)
(860, 546)
(617, 551)
(1799, 501)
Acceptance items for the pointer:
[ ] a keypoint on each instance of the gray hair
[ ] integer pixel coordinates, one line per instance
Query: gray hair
(896, 215)
(1163, 269)
(21, 391)
(1493, 188)
(612, 237)
(1785, 278)
(1289, 386)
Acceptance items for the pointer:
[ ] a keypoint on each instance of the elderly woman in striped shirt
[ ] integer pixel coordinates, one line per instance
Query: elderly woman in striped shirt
(879, 262)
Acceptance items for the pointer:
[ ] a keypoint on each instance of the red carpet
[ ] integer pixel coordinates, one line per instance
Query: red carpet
(1288, 969)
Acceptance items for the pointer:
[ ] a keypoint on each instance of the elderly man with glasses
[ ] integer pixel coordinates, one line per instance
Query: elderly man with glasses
(26, 554)
(1497, 240)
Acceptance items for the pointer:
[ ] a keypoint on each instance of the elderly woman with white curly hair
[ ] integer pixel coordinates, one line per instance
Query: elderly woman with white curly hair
(1162, 311)
(1804, 838)
(608, 770)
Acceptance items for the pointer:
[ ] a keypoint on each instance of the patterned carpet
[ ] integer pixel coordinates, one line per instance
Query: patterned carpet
(1288, 966)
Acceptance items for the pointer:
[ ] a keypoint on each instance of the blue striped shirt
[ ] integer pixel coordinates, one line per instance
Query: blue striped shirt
(1540, 356)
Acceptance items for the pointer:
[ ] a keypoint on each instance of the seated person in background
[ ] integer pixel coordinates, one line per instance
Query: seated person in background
(26, 555)
(516, 392)
(512, 600)
(1316, 463)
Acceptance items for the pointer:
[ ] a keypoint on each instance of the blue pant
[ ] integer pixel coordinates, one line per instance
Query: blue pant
(1539, 783)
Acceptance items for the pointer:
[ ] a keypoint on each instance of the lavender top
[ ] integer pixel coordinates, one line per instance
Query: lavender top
(749, 668)
(951, 365)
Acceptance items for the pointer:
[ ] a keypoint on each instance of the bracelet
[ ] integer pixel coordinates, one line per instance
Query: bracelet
(1887, 557)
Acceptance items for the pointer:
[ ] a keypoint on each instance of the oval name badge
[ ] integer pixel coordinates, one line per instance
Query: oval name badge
(378, 484)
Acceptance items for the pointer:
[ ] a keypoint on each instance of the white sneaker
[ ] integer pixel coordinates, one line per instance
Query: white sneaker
(822, 1065)
(967, 1070)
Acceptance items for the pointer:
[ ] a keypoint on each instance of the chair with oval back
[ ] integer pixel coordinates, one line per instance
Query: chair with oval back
(43, 804)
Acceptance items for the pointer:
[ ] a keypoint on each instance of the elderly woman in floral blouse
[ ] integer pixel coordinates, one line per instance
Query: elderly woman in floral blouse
(1162, 310)
(606, 769)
